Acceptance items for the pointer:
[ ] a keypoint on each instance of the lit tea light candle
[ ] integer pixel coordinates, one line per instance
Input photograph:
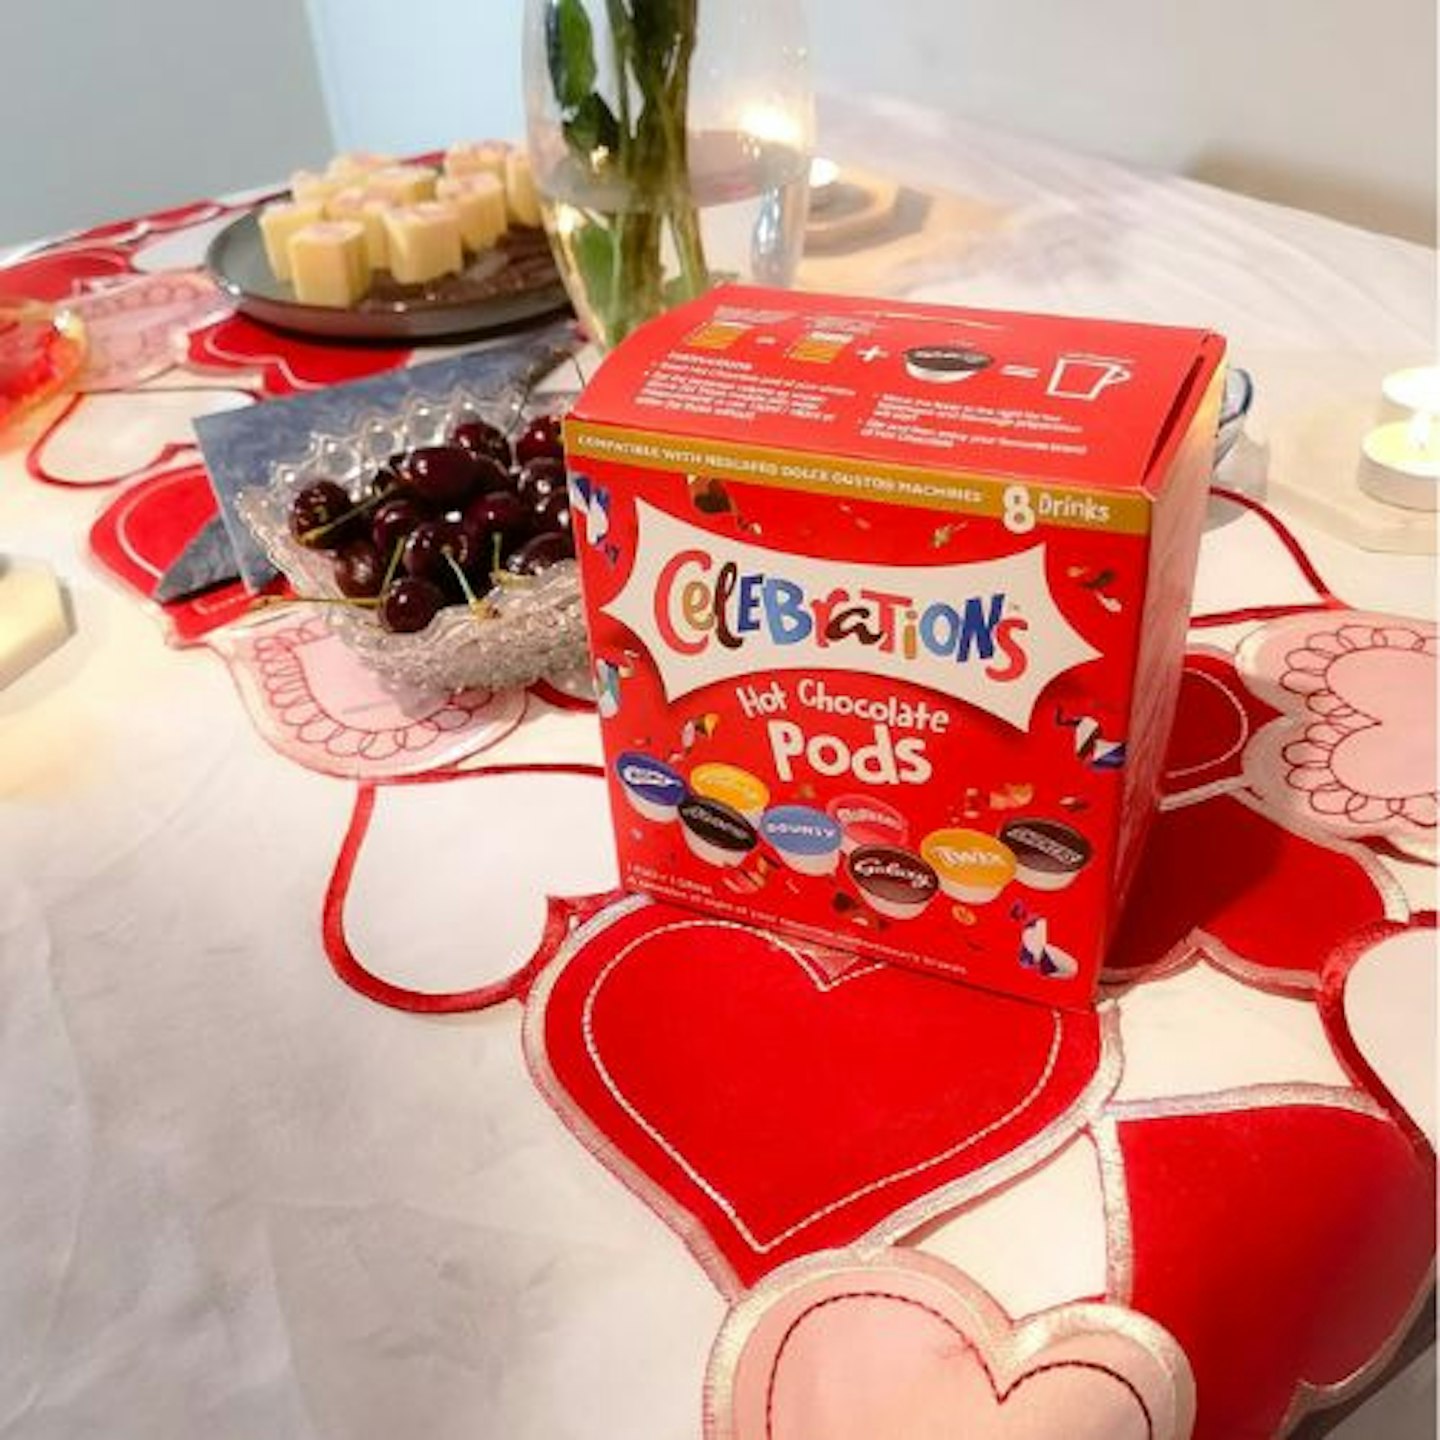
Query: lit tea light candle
(823, 175)
(1401, 462)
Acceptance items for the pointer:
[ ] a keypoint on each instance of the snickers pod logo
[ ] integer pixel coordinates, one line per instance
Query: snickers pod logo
(711, 609)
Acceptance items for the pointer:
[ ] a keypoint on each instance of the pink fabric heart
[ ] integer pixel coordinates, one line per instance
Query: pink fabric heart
(905, 1345)
(137, 328)
(1354, 751)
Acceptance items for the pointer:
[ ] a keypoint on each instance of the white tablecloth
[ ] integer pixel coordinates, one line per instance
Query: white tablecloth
(241, 1201)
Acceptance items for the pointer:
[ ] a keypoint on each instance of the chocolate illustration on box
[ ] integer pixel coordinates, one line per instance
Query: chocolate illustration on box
(884, 659)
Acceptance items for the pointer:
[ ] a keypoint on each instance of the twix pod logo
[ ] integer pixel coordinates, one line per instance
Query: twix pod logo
(709, 608)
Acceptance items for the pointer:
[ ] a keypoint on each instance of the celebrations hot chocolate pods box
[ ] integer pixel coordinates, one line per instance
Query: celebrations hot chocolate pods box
(887, 605)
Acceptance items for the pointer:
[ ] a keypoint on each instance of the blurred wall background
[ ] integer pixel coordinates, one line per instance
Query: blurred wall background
(108, 110)
(1325, 104)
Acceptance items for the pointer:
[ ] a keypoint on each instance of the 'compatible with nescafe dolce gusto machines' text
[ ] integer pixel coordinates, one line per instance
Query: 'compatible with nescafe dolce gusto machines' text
(887, 609)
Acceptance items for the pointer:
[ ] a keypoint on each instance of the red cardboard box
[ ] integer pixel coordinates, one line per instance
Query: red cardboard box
(887, 605)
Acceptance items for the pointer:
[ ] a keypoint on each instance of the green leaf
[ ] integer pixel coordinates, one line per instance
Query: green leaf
(570, 51)
(593, 247)
(593, 127)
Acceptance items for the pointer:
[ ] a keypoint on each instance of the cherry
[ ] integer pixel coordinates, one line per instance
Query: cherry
(500, 513)
(430, 547)
(359, 570)
(394, 519)
(320, 516)
(442, 473)
(552, 512)
(390, 478)
(540, 552)
(410, 604)
(541, 437)
(491, 476)
(482, 439)
(540, 477)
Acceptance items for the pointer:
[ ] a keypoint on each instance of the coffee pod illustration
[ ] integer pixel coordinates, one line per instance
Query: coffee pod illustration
(653, 789)
(1048, 853)
(944, 364)
(973, 867)
(717, 834)
(731, 786)
(806, 839)
(864, 821)
(892, 882)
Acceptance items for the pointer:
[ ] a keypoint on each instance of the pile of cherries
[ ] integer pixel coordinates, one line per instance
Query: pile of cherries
(435, 526)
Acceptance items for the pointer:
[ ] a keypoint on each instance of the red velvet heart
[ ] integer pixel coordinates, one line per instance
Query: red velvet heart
(1223, 876)
(1328, 1233)
(287, 362)
(1214, 720)
(142, 532)
(770, 1102)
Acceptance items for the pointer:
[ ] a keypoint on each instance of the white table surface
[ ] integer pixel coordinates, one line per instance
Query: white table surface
(240, 1200)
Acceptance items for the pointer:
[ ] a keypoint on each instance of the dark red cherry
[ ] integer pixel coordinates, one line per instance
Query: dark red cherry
(482, 439)
(491, 475)
(394, 519)
(552, 512)
(542, 436)
(500, 513)
(430, 547)
(320, 516)
(359, 569)
(410, 604)
(539, 477)
(540, 552)
(389, 479)
(442, 474)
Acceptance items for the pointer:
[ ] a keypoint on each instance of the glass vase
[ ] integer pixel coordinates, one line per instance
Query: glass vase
(670, 142)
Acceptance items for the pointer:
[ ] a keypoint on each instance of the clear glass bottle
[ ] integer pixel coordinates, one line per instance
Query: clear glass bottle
(670, 142)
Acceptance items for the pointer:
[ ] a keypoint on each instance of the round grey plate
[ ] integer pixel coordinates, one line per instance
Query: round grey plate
(504, 287)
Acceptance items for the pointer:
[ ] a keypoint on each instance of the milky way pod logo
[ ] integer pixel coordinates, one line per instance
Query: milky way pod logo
(708, 609)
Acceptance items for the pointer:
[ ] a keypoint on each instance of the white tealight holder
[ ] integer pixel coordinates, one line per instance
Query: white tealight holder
(33, 617)
(1400, 458)
(1411, 392)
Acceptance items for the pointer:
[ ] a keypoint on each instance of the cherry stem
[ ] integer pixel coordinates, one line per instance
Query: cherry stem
(475, 603)
(393, 565)
(308, 537)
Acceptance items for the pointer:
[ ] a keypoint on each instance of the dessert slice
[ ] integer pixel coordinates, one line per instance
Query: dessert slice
(479, 203)
(357, 203)
(328, 264)
(307, 187)
(423, 241)
(520, 195)
(278, 223)
(477, 157)
(353, 165)
(402, 184)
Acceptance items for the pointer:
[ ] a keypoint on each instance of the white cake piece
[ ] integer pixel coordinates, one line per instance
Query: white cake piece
(477, 157)
(352, 165)
(309, 187)
(402, 184)
(424, 242)
(357, 203)
(278, 223)
(479, 203)
(521, 197)
(328, 264)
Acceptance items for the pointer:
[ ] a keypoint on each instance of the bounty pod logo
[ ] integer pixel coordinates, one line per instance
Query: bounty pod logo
(708, 609)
